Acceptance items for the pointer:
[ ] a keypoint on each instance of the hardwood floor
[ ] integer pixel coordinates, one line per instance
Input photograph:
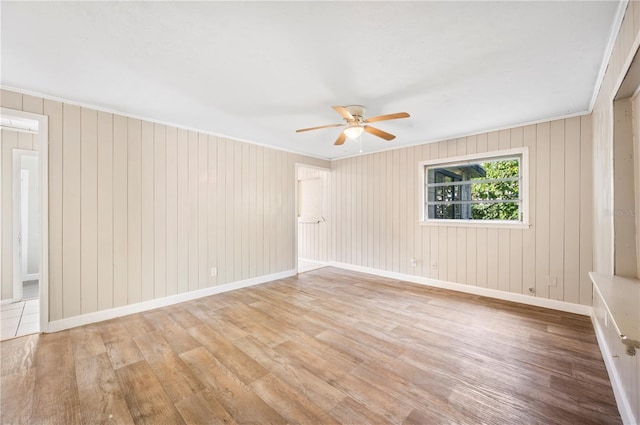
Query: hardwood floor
(327, 347)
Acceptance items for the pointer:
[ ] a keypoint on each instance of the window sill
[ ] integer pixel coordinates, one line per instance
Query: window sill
(480, 224)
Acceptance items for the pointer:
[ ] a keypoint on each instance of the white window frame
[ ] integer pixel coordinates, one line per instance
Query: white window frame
(522, 153)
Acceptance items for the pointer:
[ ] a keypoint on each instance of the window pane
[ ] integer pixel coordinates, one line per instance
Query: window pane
(486, 190)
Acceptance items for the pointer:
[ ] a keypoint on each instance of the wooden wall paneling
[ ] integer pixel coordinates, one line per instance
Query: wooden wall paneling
(493, 253)
(493, 141)
(71, 212)
(237, 212)
(172, 210)
(359, 250)
(269, 205)
(504, 139)
(366, 210)
(289, 177)
(160, 210)
(411, 208)
(482, 142)
(482, 257)
(120, 217)
(192, 141)
(203, 208)
(529, 235)
(9, 142)
(515, 262)
(556, 207)
(147, 206)
(134, 202)
(11, 99)
(260, 211)
(105, 210)
(32, 104)
(504, 264)
(253, 214)
(351, 184)
(403, 205)
(443, 253)
(183, 210)
(414, 215)
(89, 210)
(221, 203)
(542, 212)
(396, 189)
(586, 210)
(247, 188)
(212, 208)
(452, 254)
(380, 213)
(571, 217)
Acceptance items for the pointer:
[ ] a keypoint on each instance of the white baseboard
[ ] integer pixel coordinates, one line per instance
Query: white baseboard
(616, 383)
(9, 301)
(112, 313)
(32, 276)
(583, 310)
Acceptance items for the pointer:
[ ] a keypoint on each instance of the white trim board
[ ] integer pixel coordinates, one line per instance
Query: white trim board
(583, 310)
(112, 313)
(616, 383)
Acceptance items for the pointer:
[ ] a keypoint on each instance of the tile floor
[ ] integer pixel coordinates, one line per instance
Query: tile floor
(18, 319)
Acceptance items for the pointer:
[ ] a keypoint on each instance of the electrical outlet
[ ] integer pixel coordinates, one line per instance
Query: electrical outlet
(214, 272)
(434, 265)
(414, 262)
(532, 290)
(553, 281)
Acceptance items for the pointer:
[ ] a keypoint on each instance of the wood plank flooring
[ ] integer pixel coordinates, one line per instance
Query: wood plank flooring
(326, 347)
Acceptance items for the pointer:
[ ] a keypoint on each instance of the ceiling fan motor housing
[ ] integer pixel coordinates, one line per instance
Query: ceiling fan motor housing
(357, 111)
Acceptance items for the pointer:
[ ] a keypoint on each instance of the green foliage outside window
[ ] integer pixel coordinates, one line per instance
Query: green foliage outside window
(506, 190)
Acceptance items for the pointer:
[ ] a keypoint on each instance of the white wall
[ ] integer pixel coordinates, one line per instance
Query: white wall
(30, 164)
(140, 211)
(376, 212)
(635, 105)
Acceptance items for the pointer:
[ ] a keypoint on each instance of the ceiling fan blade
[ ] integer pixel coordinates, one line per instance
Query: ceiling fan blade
(340, 140)
(388, 117)
(343, 112)
(378, 132)
(318, 128)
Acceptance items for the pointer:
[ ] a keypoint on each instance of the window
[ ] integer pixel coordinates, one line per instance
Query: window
(479, 189)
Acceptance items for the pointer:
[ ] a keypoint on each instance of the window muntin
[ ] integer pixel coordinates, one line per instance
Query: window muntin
(485, 189)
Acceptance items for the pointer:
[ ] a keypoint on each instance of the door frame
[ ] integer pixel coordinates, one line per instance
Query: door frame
(18, 274)
(43, 175)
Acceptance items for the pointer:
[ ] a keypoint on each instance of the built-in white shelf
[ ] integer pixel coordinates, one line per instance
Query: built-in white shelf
(621, 298)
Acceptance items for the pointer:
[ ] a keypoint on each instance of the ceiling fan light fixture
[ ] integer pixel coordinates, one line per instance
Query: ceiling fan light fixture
(353, 131)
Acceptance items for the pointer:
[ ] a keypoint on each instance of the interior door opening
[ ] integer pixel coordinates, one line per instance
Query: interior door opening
(312, 184)
(21, 233)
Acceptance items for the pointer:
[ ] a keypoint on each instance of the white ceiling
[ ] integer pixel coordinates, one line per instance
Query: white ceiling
(257, 71)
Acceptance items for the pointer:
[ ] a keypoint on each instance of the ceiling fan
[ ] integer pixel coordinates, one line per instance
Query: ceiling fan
(356, 123)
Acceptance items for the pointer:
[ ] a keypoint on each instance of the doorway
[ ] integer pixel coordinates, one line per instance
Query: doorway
(312, 184)
(23, 247)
